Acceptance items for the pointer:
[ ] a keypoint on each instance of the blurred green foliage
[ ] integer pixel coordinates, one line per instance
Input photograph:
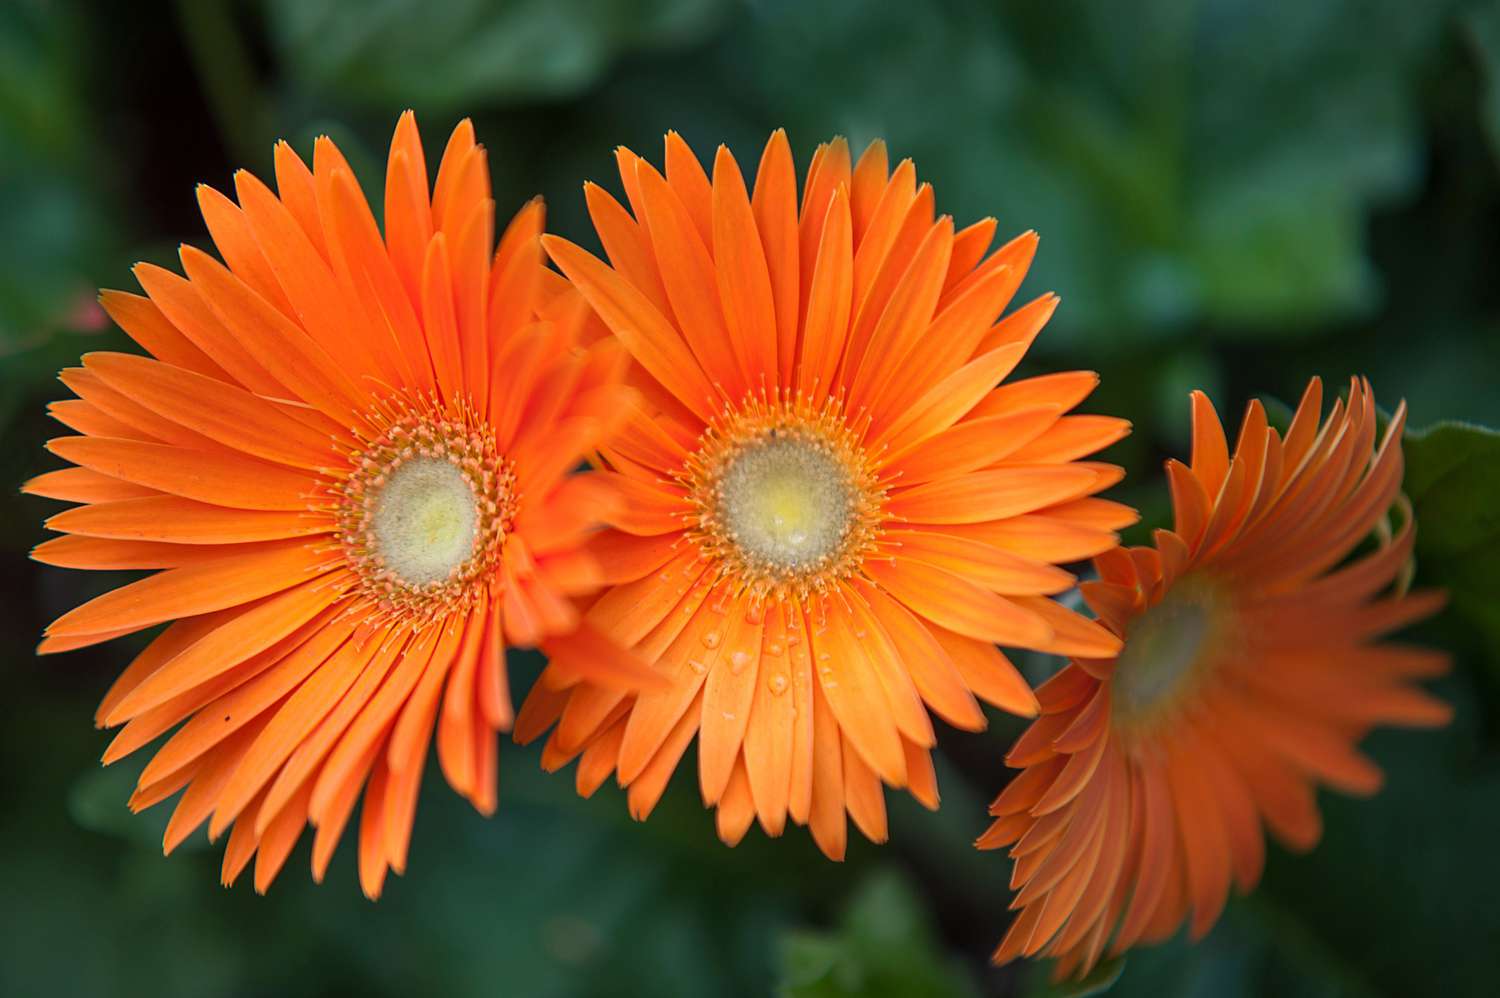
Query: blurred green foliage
(1453, 479)
(474, 53)
(1232, 195)
(883, 947)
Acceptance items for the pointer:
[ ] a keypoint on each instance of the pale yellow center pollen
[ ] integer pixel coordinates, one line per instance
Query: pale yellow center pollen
(1167, 649)
(787, 502)
(425, 522)
(425, 508)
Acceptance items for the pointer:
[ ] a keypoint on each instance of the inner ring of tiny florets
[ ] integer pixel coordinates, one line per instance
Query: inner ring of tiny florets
(423, 514)
(784, 499)
(1167, 649)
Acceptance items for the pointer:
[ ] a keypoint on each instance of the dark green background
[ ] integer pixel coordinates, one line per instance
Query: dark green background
(1231, 194)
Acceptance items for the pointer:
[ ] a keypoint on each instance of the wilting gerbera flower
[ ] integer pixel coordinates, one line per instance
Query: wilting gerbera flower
(348, 461)
(1252, 666)
(832, 514)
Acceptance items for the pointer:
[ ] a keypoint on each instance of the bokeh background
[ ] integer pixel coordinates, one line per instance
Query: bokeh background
(1231, 194)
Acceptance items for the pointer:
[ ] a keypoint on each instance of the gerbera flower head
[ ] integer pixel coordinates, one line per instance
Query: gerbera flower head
(832, 513)
(346, 458)
(1252, 665)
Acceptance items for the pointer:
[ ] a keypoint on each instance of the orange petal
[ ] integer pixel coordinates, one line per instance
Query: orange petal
(993, 494)
(238, 637)
(959, 605)
(649, 336)
(728, 693)
(771, 732)
(775, 205)
(186, 521)
(826, 816)
(200, 588)
(147, 325)
(744, 278)
(864, 796)
(828, 267)
(687, 271)
(225, 413)
(83, 485)
(938, 680)
(854, 692)
(987, 566)
(988, 673)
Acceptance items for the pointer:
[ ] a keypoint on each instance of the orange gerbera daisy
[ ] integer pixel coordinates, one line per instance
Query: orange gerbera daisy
(1251, 667)
(348, 461)
(832, 514)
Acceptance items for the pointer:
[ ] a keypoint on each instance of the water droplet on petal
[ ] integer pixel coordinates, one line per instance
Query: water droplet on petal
(711, 639)
(738, 660)
(777, 684)
(697, 666)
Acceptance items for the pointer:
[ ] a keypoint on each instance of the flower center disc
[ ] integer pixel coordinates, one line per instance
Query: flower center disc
(1165, 650)
(787, 502)
(425, 509)
(425, 522)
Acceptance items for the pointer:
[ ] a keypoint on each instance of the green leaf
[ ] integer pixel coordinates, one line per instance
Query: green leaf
(884, 947)
(1161, 201)
(1095, 982)
(1483, 26)
(473, 52)
(1453, 479)
(58, 234)
(97, 802)
(1256, 949)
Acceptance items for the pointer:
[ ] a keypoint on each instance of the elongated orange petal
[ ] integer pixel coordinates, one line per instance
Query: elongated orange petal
(195, 589)
(653, 342)
(728, 693)
(224, 413)
(958, 604)
(185, 521)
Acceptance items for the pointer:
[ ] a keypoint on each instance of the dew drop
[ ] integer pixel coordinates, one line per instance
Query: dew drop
(777, 684)
(697, 666)
(774, 648)
(711, 639)
(738, 660)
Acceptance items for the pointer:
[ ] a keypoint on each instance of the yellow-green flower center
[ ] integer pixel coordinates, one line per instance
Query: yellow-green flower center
(786, 501)
(425, 520)
(425, 508)
(1166, 650)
